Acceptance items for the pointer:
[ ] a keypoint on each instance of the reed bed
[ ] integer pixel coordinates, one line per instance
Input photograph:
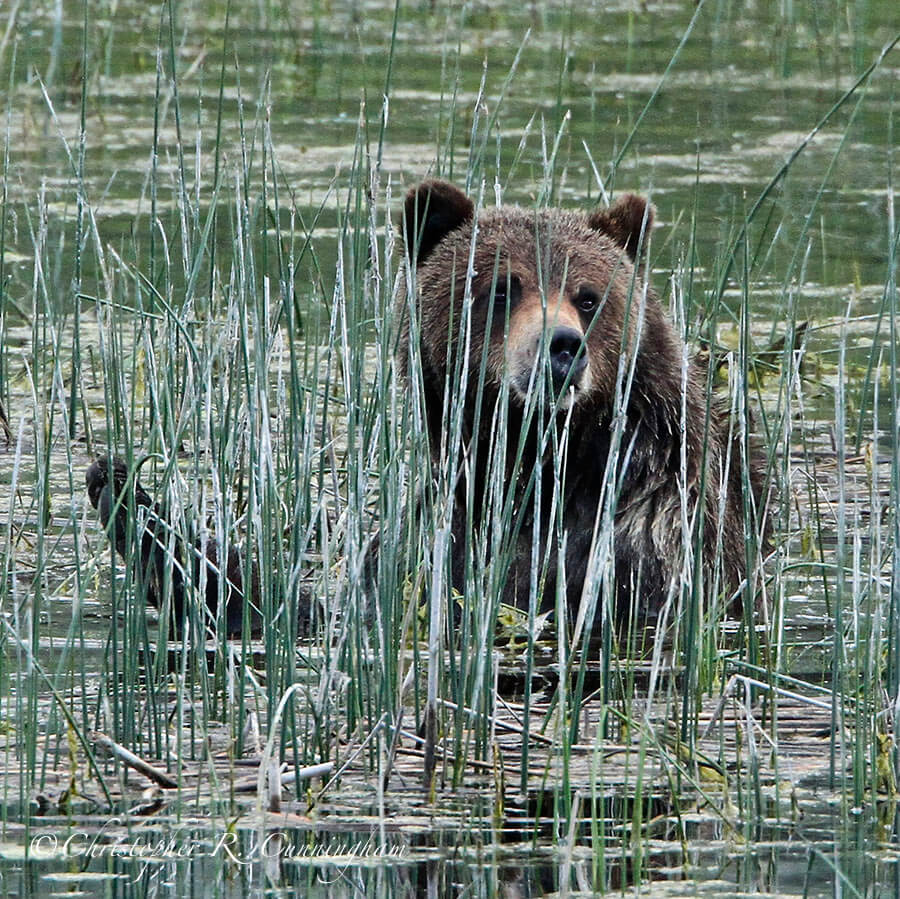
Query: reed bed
(252, 377)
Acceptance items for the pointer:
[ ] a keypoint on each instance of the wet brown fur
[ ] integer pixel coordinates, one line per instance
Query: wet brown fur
(118, 496)
(551, 263)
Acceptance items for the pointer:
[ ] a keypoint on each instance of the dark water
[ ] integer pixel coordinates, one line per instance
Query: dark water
(745, 90)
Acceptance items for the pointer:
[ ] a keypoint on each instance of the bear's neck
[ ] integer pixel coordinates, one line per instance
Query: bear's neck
(576, 448)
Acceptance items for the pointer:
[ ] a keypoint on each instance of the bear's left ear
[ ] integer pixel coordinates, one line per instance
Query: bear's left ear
(432, 210)
(628, 222)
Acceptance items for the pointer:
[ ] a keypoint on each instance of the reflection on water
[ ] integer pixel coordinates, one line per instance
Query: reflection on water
(794, 858)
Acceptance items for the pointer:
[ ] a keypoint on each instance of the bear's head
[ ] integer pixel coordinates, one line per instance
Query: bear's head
(552, 296)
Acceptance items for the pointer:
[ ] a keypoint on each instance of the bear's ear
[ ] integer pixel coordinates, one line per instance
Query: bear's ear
(628, 222)
(432, 210)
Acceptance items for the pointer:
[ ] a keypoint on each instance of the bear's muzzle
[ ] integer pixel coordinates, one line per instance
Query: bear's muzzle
(561, 354)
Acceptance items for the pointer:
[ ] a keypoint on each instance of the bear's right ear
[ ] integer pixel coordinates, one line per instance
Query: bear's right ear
(432, 210)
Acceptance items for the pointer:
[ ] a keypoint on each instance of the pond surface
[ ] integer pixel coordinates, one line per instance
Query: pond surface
(286, 120)
(747, 87)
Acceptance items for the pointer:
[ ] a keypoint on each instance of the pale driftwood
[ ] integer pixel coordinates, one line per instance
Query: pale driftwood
(287, 777)
(106, 744)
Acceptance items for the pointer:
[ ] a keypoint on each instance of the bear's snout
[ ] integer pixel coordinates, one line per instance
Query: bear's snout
(566, 362)
(560, 352)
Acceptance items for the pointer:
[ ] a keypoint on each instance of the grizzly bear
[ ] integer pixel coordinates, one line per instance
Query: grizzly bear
(115, 495)
(548, 366)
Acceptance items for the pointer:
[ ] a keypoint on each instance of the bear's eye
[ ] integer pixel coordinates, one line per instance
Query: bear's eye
(505, 292)
(586, 300)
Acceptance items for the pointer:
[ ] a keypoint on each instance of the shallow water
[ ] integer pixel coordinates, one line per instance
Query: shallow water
(748, 86)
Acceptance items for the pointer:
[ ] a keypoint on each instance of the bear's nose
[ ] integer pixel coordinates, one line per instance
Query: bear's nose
(565, 361)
